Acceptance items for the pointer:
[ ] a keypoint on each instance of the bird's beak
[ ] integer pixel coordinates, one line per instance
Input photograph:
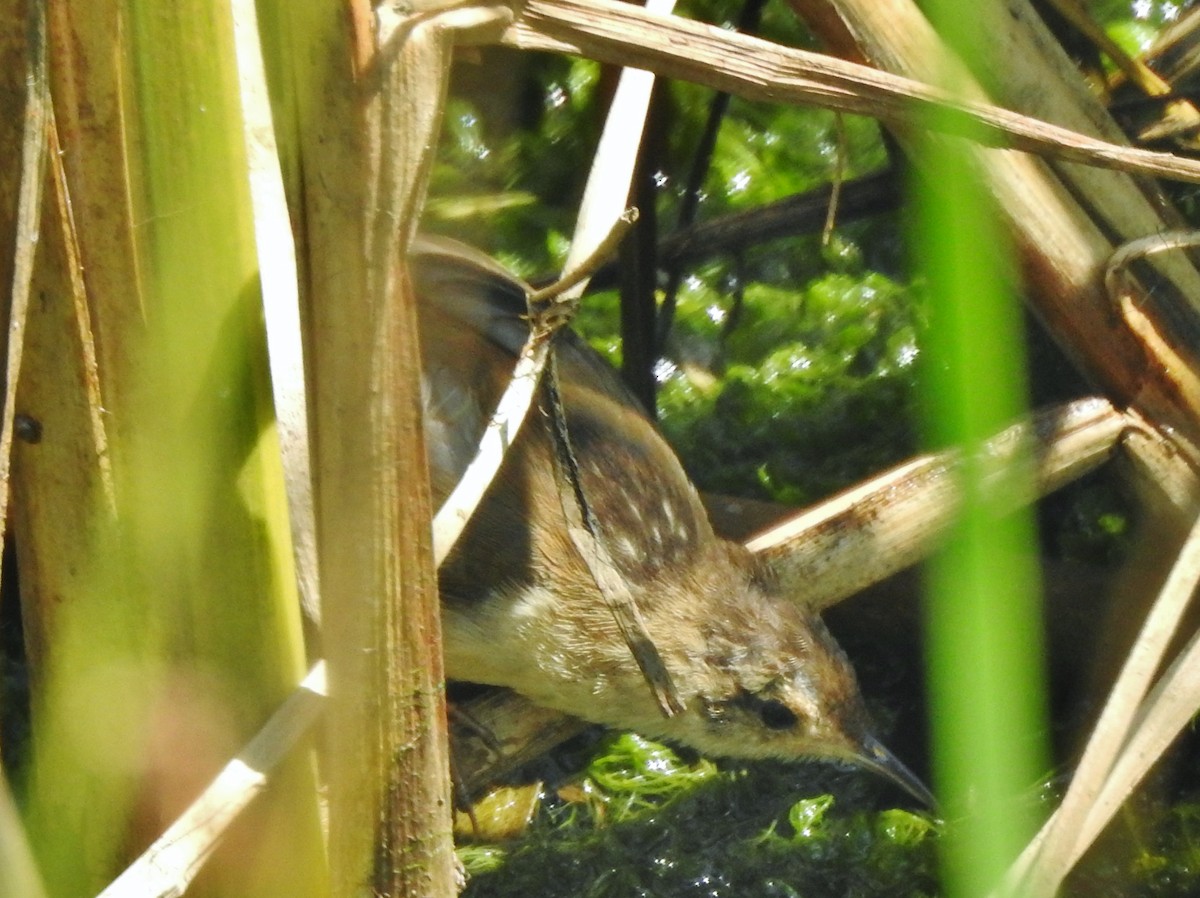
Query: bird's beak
(874, 756)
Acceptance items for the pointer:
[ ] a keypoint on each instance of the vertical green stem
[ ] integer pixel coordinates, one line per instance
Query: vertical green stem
(984, 629)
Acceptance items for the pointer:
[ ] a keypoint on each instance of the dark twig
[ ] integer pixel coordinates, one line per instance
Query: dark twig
(748, 24)
(639, 267)
(803, 213)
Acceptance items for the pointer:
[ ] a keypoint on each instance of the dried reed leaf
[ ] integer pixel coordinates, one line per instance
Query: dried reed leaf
(281, 304)
(1123, 747)
(167, 868)
(891, 521)
(760, 70)
(514, 404)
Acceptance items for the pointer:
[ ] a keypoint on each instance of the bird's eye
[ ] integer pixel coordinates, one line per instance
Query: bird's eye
(776, 715)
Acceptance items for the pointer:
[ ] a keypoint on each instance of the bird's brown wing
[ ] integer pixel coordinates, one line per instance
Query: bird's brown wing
(474, 323)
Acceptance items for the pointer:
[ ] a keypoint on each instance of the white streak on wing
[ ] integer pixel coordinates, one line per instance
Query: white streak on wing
(628, 548)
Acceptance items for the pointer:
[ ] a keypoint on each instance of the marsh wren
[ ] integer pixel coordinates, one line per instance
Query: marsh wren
(758, 673)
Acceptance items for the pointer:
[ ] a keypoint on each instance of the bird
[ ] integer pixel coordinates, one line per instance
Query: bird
(757, 673)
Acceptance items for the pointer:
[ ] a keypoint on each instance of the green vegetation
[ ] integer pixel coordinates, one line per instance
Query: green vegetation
(646, 822)
(816, 388)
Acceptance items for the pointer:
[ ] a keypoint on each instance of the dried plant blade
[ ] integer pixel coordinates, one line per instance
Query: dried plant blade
(607, 191)
(502, 429)
(1081, 815)
(281, 302)
(608, 183)
(1133, 250)
(587, 535)
(1170, 706)
(166, 869)
(893, 520)
(759, 70)
(513, 406)
(503, 426)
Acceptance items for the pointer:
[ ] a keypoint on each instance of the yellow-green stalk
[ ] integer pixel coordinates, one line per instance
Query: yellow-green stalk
(156, 572)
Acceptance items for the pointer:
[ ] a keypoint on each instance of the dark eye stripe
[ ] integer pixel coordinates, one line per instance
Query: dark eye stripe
(773, 713)
(776, 715)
